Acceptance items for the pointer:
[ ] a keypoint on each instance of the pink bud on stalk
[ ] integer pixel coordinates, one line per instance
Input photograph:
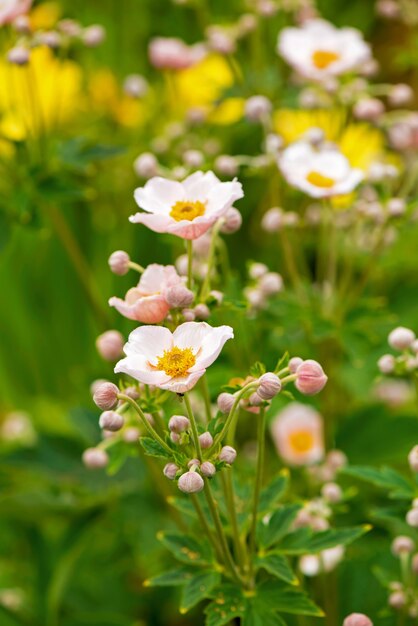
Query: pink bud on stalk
(135, 86)
(95, 458)
(178, 423)
(179, 296)
(269, 386)
(402, 545)
(386, 363)
(401, 338)
(110, 420)
(357, 619)
(206, 440)
(233, 221)
(400, 94)
(272, 221)
(257, 108)
(110, 345)
(191, 482)
(106, 396)
(226, 165)
(208, 469)
(225, 402)
(228, 455)
(311, 378)
(146, 165)
(412, 518)
(294, 364)
(397, 599)
(119, 262)
(368, 109)
(93, 35)
(201, 311)
(332, 493)
(170, 470)
(271, 283)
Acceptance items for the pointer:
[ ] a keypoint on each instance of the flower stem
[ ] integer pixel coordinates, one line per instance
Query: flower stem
(193, 424)
(206, 527)
(261, 430)
(151, 431)
(135, 266)
(240, 394)
(211, 259)
(206, 397)
(189, 245)
(228, 487)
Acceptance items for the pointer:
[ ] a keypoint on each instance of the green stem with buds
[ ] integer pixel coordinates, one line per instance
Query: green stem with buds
(238, 397)
(151, 431)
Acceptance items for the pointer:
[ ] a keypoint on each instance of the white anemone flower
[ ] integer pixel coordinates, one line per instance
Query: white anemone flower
(320, 173)
(318, 50)
(173, 361)
(186, 209)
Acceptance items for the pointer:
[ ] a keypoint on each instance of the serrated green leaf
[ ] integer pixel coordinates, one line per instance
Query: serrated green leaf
(227, 604)
(278, 525)
(153, 448)
(385, 478)
(257, 616)
(277, 565)
(283, 598)
(173, 578)
(274, 491)
(197, 589)
(308, 542)
(187, 549)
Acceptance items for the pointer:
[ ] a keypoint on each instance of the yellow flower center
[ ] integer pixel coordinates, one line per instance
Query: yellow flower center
(185, 210)
(319, 180)
(301, 441)
(323, 58)
(176, 362)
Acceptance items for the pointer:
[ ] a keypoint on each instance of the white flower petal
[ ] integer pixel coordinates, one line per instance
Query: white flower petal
(137, 367)
(149, 342)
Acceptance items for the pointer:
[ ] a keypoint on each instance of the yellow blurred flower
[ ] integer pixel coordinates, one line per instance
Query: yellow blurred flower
(105, 96)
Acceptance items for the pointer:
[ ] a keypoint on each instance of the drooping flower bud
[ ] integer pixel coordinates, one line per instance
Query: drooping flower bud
(357, 619)
(106, 396)
(254, 400)
(336, 459)
(175, 438)
(257, 270)
(208, 469)
(311, 378)
(170, 470)
(332, 492)
(146, 165)
(179, 296)
(95, 458)
(110, 420)
(119, 262)
(110, 345)
(401, 338)
(233, 221)
(193, 464)
(386, 363)
(402, 545)
(193, 158)
(294, 364)
(228, 454)
(206, 440)
(178, 423)
(189, 315)
(400, 94)
(225, 402)
(269, 386)
(257, 108)
(413, 459)
(191, 482)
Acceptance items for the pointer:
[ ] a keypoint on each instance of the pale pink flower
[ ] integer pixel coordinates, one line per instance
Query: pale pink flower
(297, 432)
(10, 9)
(186, 209)
(170, 53)
(147, 302)
(173, 361)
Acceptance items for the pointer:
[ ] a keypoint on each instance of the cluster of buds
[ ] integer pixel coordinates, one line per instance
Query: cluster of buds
(264, 285)
(404, 341)
(403, 595)
(276, 219)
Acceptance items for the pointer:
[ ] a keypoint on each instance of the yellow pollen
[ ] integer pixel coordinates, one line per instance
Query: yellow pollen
(317, 179)
(176, 362)
(323, 58)
(301, 441)
(185, 210)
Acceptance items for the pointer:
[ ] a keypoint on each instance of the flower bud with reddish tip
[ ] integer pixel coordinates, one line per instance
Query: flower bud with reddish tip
(95, 458)
(271, 283)
(311, 378)
(413, 459)
(402, 545)
(269, 386)
(228, 455)
(179, 297)
(412, 518)
(332, 492)
(225, 402)
(257, 108)
(206, 440)
(178, 423)
(357, 619)
(110, 345)
(170, 470)
(401, 338)
(386, 363)
(110, 420)
(294, 364)
(232, 221)
(201, 311)
(119, 262)
(106, 396)
(191, 482)
(208, 469)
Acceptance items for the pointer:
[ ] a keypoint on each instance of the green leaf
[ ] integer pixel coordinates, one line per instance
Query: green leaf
(278, 524)
(257, 616)
(197, 589)
(282, 598)
(172, 578)
(277, 565)
(385, 478)
(258, 369)
(274, 491)
(153, 448)
(187, 549)
(227, 604)
(282, 362)
(308, 542)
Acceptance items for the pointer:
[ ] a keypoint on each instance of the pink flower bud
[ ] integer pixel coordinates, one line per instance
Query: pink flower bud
(402, 545)
(397, 600)
(201, 312)
(396, 207)
(110, 420)
(51, 38)
(269, 386)
(206, 440)
(95, 458)
(175, 438)
(21, 24)
(19, 55)
(332, 492)
(233, 221)
(220, 40)
(179, 296)
(336, 459)
(226, 165)
(368, 109)
(193, 464)
(135, 86)
(228, 454)
(131, 435)
(386, 363)
(294, 364)
(131, 392)
(191, 482)
(178, 423)
(106, 396)
(400, 94)
(413, 459)
(357, 619)
(193, 158)
(412, 518)
(273, 143)
(189, 315)
(119, 262)
(257, 270)
(388, 9)
(247, 23)
(254, 400)
(271, 283)
(93, 35)
(257, 108)
(311, 378)
(225, 402)
(219, 296)
(146, 165)
(401, 338)
(70, 27)
(174, 54)
(170, 470)
(110, 345)
(208, 469)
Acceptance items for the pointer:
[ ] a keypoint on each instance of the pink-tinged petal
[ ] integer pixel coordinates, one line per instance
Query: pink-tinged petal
(149, 342)
(198, 185)
(191, 230)
(206, 341)
(181, 384)
(125, 309)
(151, 309)
(158, 223)
(136, 366)
(156, 278)
(158, 195)
(222, 197)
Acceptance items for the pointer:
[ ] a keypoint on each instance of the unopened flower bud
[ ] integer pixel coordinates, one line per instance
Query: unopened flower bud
(170, 470)
(70, 27)
(93, 35)
(413, 459)
(332, 492)
(131, 392)
(146, 165)
(336, 459)
(226, 165)
(106, 396)
(386, 363)
(226, 401)
(400, 94)
(257, 108)
(257, 270)
(412, 518)
(220, 41)
(206, 440)
(208, 469)
(178, 296)
(201, 311)
(233, 221)
(228, 454)
(119, 262)
(271, 283)
(178, 423)
(135, 86)
(368, 109)
(110, 420)
(189, 315)
(402, 545)
(193, 464)
(401, 338)
(254, 400)
(19, 55)
(269, 386)
(397, 600)
(311, 378)
(247, 23)
(315, 135)
(273, 143)
(131, 434)
(191, 482)
(50, 38)
(294, 364)
(110, 345)
(217, 295)
(193, 158)
(95, 458)
(357, 619)
(396, 207)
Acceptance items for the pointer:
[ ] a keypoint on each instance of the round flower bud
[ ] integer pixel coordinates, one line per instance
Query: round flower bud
(247, 23)
(193, 464)
(254, 400)
(110, 345)
(357, 619)
(220, 41)
(228, 454)
(397, 599)
(217, 295)
(315, 136)
(93, 35)
(119, 262)
(402, 545)
(271, 283)
(178, 423)
(396, 207)
(206, 440)
(226, 401)
(19, 55)
(95, 458)
(257, 270)
(400, 94)
(233, 221)
(50, 38)
(146, 165)
(201, 311)
(208, 469)
(191, 482)
(386, 363)
(193, 158)
(269, 386)
(412, 518)
(332, 492)
(413, 459)
(70, 28)
(131, 435)
(131, 392)
(294, 364)
(336, 459)
(135, 86)
(106, 396)
(401, 338)
(170, 470)
(311, 378)
(226, 165)
(368, 109)
(257, 108)
(178, 296)
(175, 438)
(110, 420)
(189, 315)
